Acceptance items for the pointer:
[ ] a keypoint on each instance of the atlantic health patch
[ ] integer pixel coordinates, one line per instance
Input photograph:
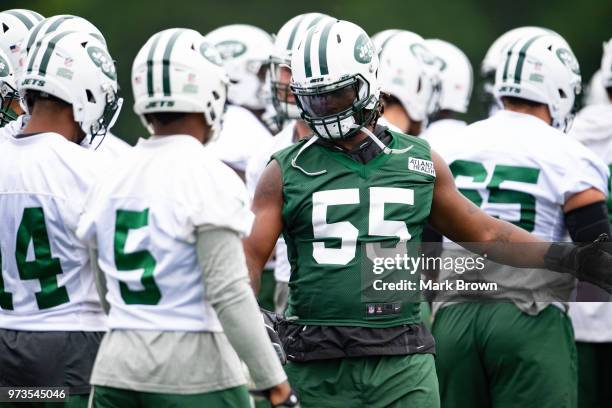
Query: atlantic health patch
(421, 166)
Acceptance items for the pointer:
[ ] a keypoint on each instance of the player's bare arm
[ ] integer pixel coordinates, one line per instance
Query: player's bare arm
(584, 198)
(460, 220)
(267, 207)
(456, 217)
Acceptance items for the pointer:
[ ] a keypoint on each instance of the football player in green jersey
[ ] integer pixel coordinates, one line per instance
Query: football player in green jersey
(352, 187)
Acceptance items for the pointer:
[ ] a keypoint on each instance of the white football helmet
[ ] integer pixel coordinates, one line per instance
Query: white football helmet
(334, 79)
(381, 38)
(246, 51)
(76, 68)
(606, 64)
(494, 54)
(542, 68)
(60, 23)
(289, 35)
(15, 25)
(179, 70)
(14, 28)
(455, 73)
(493, 58)
(408, 72)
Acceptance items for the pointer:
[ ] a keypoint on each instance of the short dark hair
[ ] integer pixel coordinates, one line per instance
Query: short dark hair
(31, 96)
(165, 118)
(513, 100)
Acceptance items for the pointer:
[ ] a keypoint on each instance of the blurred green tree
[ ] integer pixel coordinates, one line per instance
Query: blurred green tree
(470, 24)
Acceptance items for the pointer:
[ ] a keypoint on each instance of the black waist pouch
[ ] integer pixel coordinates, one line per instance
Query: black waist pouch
(306, 343)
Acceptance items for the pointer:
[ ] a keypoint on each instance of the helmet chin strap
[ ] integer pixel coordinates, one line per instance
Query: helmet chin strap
(312, 140)
(294, 164)
(385, 149)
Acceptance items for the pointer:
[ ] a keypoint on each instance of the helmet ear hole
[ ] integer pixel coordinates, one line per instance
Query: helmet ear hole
(5, 28)
(562, 94)
(90, 96)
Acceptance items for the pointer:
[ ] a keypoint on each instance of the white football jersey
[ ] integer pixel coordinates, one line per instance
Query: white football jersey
(593, 127)
(242, 136)
(439, 131)
(522, 170)
(46, 282)
(257, 164)
(143, 219)
(591, 321)
(13, 128)
(518, 168)
(112, 147)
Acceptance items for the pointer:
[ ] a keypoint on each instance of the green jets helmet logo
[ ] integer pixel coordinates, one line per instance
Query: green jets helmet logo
(231, 49)
(4, 67)
(364, 49)
(422, 53)
(210, 53)
(569, 60)
(103, 61)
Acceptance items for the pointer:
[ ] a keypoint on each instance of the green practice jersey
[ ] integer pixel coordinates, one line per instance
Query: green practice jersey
(335, 221)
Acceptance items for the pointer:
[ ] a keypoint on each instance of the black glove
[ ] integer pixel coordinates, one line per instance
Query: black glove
(590, 262)
(271, 320)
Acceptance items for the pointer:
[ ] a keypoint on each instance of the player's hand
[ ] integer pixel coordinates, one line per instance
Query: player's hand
(282, 396)
(270, 322)
(590, 263)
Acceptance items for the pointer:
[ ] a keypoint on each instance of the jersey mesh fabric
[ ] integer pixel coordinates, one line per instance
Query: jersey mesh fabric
(333, 220)
(47, 282)
(143, 219)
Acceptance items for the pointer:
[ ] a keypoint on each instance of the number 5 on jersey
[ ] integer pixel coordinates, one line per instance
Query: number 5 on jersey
(498, 195)
(142, 259)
